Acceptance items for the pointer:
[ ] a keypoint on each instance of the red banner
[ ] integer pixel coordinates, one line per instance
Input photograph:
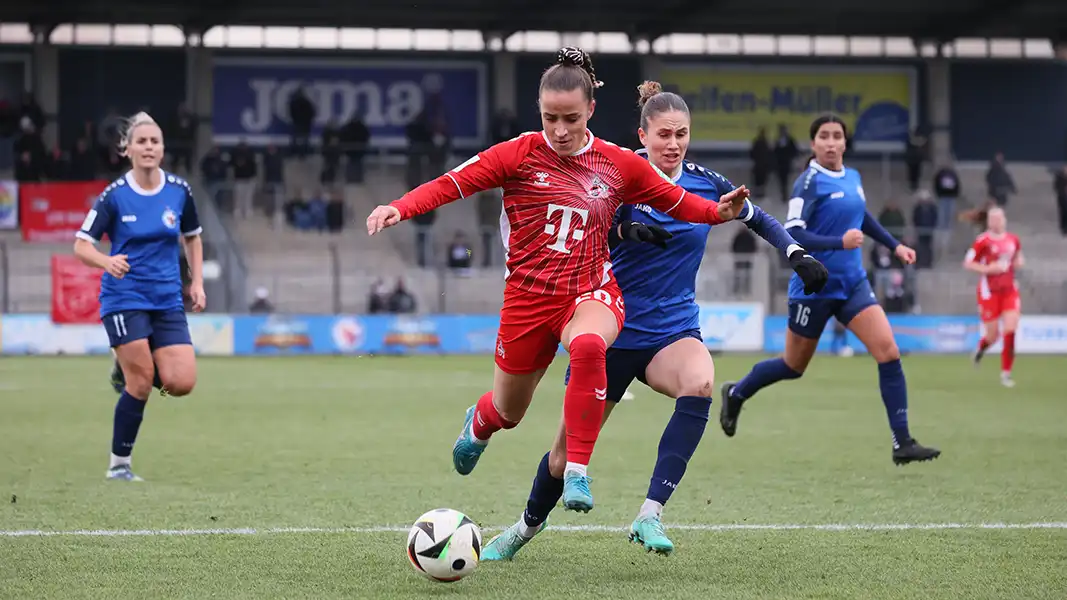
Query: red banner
(54, 212)
(75, 291)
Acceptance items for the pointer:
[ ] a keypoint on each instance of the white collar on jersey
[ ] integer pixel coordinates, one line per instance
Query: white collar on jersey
(582, 150)
(133, 184)
(826, 171)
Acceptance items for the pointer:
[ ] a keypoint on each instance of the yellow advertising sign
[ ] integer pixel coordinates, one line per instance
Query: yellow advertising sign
(729, 103)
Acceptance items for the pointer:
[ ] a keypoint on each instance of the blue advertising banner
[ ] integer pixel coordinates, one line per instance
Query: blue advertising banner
(914, 333)
(37, 334)
(375, 334)
(251, 97)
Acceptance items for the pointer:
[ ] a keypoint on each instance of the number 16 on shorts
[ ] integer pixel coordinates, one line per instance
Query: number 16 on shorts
(807, 319)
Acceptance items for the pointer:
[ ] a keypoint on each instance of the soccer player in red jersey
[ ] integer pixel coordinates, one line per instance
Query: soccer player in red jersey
(562, 186)
(995, 255)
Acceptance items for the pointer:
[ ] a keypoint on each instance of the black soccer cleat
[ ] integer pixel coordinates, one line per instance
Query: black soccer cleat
(976, 356)
(912, 451)
(118, 378)
(730, 410)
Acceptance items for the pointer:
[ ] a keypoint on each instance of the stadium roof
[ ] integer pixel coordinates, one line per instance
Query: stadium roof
(918, 19)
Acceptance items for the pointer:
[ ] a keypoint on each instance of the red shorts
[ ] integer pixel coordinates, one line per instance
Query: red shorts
(995, 304)
(531, 325)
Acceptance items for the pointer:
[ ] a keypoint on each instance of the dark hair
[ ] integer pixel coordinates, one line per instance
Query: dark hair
(573, 71)
(823, 120)
(654, 101)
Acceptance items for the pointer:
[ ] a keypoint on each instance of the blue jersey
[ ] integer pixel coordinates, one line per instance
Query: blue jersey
(829, 203)
(659, 285)
(145, 225)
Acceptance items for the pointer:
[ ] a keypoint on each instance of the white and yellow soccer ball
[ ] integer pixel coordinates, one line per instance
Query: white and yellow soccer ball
(444, 545)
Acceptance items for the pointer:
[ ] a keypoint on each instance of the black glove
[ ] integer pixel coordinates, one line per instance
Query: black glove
(649, 234)
(810, 271)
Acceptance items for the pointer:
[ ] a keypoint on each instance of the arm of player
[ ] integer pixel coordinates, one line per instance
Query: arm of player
(801, 208)
(486, 170)
(194, 251)
(768, 228)
(970, 262)
(98, 221)
(873, 228)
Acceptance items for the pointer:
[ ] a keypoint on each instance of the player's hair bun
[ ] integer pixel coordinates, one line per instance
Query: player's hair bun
(576, 57)
(647, 90)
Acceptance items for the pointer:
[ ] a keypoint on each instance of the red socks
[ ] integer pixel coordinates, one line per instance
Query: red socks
(1007, 354)
(583, 403)
(487, 420)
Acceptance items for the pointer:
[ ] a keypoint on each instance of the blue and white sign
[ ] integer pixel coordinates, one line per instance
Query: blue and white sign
(736, 327)
(251, 97)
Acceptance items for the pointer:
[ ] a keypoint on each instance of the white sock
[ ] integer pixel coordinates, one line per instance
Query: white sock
(119, 461)
(477, 440)
(526, 531)
(650, 508)
(576, 468)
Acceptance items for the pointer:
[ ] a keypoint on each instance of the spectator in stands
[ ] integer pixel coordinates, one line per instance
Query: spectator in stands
(762, 162)
(401, 301)
(424, 237)
(440, 146)
(301, 115)
(924, 218)
(31, 110)
(213, 171)
(744, 247)
(28, 169)
(29, 140)
(459, 253)
(243, 164)
(335, 211)
(57, 167)
(115, 164)
(892, 218)
(273, 178)
(896, 298)
(505, 126)
(785, 152)
(181, 139)
(83, 161)
(331, 159)
(419, 142)
(489, 211)
(310, 213)
(1060, 187)
(379, 298)
(947, 190)
(883, 263)
(261, 305)
(914, 156)
(999, 181)
(354, 139)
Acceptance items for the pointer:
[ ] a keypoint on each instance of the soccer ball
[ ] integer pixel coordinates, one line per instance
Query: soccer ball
(444, 545)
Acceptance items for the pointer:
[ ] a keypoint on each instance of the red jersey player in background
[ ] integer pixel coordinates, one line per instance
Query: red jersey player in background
(995, 255)
(562, 186)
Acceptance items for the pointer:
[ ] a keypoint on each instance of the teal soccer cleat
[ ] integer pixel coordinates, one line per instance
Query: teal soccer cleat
(505, 545)
(466, 451)
(648, 531)
(576, 494)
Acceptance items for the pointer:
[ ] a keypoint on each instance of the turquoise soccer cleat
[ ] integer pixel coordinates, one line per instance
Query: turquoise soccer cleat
(466, 451)
(576, 494)
(506, 544)
(648, 531)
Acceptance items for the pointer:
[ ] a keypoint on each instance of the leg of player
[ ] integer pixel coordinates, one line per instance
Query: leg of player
(545, 492)
(592, 328)
(791, 365)
(990, 333)
(501, 408)
(683, 370)
(1007, 353)
(872, 328)
(135, 359)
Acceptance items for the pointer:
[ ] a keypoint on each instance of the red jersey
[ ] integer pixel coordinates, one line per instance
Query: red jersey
(559, 209)
(989, 249)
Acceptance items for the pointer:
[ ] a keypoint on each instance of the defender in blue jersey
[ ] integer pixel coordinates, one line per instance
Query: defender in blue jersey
(147, 214)
(660, 343)
(828, 214)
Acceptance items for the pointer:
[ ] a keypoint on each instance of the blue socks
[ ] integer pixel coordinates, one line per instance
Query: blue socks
(677, 445)
(895, 397)
(128, 415)
(545, 493)
(763, 374)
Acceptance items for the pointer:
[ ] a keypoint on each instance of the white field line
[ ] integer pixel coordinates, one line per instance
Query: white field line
(563, 528)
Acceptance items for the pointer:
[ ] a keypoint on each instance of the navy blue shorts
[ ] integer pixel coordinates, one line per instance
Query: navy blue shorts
(625, 365)
(161, 327)
(808, 316)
